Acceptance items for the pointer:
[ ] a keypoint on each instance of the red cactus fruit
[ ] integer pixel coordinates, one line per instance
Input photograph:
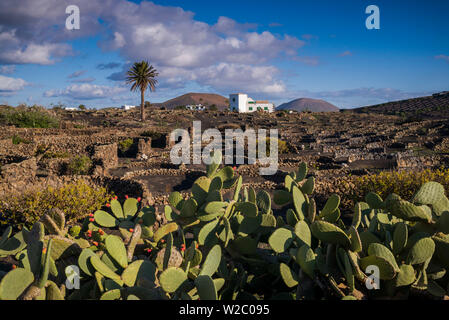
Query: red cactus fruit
(108, 205)
(95, 243)
(126, 197)
(91, 219)
(131, 230)
(139, 198)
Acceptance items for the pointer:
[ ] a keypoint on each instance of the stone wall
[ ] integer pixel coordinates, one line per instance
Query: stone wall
(144, 148)
(18, 172)
(105, 155)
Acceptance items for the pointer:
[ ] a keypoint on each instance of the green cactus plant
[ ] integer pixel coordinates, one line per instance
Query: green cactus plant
(303, 252)
(127, 216)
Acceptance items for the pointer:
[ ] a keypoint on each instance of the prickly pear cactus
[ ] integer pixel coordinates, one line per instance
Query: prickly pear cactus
(222, 244)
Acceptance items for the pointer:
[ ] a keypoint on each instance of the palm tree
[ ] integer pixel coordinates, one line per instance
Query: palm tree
(142, 76)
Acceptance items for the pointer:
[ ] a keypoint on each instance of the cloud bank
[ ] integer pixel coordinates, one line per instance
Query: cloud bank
(188, 50)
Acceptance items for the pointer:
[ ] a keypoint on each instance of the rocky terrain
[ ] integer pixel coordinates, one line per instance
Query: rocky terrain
(334, 145)
(433, 106)
(158, 218)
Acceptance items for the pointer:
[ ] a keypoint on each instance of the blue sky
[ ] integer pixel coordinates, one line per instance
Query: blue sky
(278, 50)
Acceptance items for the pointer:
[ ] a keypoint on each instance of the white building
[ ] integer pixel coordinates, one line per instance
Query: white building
(127, 107)
(242, 103)
(70, 108)
(197, 107)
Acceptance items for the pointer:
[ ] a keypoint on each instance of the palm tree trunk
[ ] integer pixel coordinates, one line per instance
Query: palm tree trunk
(142, 105)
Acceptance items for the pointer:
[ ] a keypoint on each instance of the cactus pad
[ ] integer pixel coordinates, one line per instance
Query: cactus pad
(329, 233)
(171, 279)
(117, 250)
(290, 279)
(281, 239)
(14, 283)
(212, 261)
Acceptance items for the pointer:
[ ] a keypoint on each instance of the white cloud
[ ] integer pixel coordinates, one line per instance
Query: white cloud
(32, 53)
(85, 91)
(7, 69)
(11, 85)
(192, 50)
(34, 31)
(169, 37)
(244, 77)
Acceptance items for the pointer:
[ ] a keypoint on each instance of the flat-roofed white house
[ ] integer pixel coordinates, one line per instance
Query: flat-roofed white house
(127, 107)
(196, 107)
(70, 108)
(242, 103)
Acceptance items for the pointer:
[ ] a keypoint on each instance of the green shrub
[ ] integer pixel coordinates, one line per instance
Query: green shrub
(152, 134)
(28, 117)
(75, 199)
(282, 147)
(18, 140)
(79, 165)
(125, 145)
(403, 183)
(56, 155)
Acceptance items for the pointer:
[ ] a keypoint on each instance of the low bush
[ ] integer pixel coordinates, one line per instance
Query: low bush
(79, 165)
(403, 183)
(125, 145)
(28, 117)
(282, 146)
(75, 199)
(18, 140)
(56, 155)
(151, 134)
